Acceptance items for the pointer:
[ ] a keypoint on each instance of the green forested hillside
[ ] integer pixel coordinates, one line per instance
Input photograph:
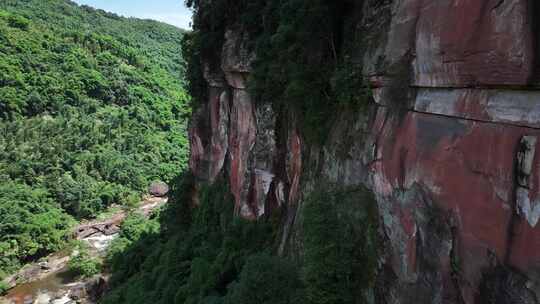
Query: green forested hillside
(92, 109)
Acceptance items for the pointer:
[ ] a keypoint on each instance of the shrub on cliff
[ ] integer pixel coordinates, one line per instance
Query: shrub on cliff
(339, 227)
(266, 279)
(133, 243)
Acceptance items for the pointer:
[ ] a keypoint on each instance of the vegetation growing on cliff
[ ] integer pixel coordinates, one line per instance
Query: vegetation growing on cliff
(206, 255)
(340, 258)
(92, 108)
(306, 58)
(194, 259)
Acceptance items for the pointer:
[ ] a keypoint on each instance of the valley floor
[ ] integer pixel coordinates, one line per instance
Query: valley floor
(50, 280)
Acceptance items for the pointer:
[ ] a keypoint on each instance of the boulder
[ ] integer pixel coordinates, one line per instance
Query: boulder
(158, 188)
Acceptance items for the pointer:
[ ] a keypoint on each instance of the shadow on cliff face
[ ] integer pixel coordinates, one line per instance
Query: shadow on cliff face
(423, 237)
(534, 16)
(503, 285)
(339, 227)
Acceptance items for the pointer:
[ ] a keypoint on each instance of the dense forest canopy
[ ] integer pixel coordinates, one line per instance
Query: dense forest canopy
(92, 109)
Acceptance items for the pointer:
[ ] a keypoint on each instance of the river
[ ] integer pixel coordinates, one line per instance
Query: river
(51, 282)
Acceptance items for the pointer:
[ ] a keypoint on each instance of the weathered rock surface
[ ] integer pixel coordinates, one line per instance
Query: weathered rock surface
(471, 43)
(158, 189)
(450, 148)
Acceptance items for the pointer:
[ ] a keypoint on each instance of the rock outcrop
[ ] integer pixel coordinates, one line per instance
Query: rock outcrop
(158, 189)
(449, 146)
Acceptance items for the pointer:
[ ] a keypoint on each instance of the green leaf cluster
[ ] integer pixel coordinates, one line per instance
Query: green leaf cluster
(340, 241)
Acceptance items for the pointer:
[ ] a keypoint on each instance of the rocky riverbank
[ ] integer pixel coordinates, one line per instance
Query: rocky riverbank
(49, 281)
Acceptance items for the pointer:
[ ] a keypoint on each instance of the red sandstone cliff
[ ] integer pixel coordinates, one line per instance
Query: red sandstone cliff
(450, 147)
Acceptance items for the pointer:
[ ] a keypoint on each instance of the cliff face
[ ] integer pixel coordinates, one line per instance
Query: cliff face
(448, 145)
